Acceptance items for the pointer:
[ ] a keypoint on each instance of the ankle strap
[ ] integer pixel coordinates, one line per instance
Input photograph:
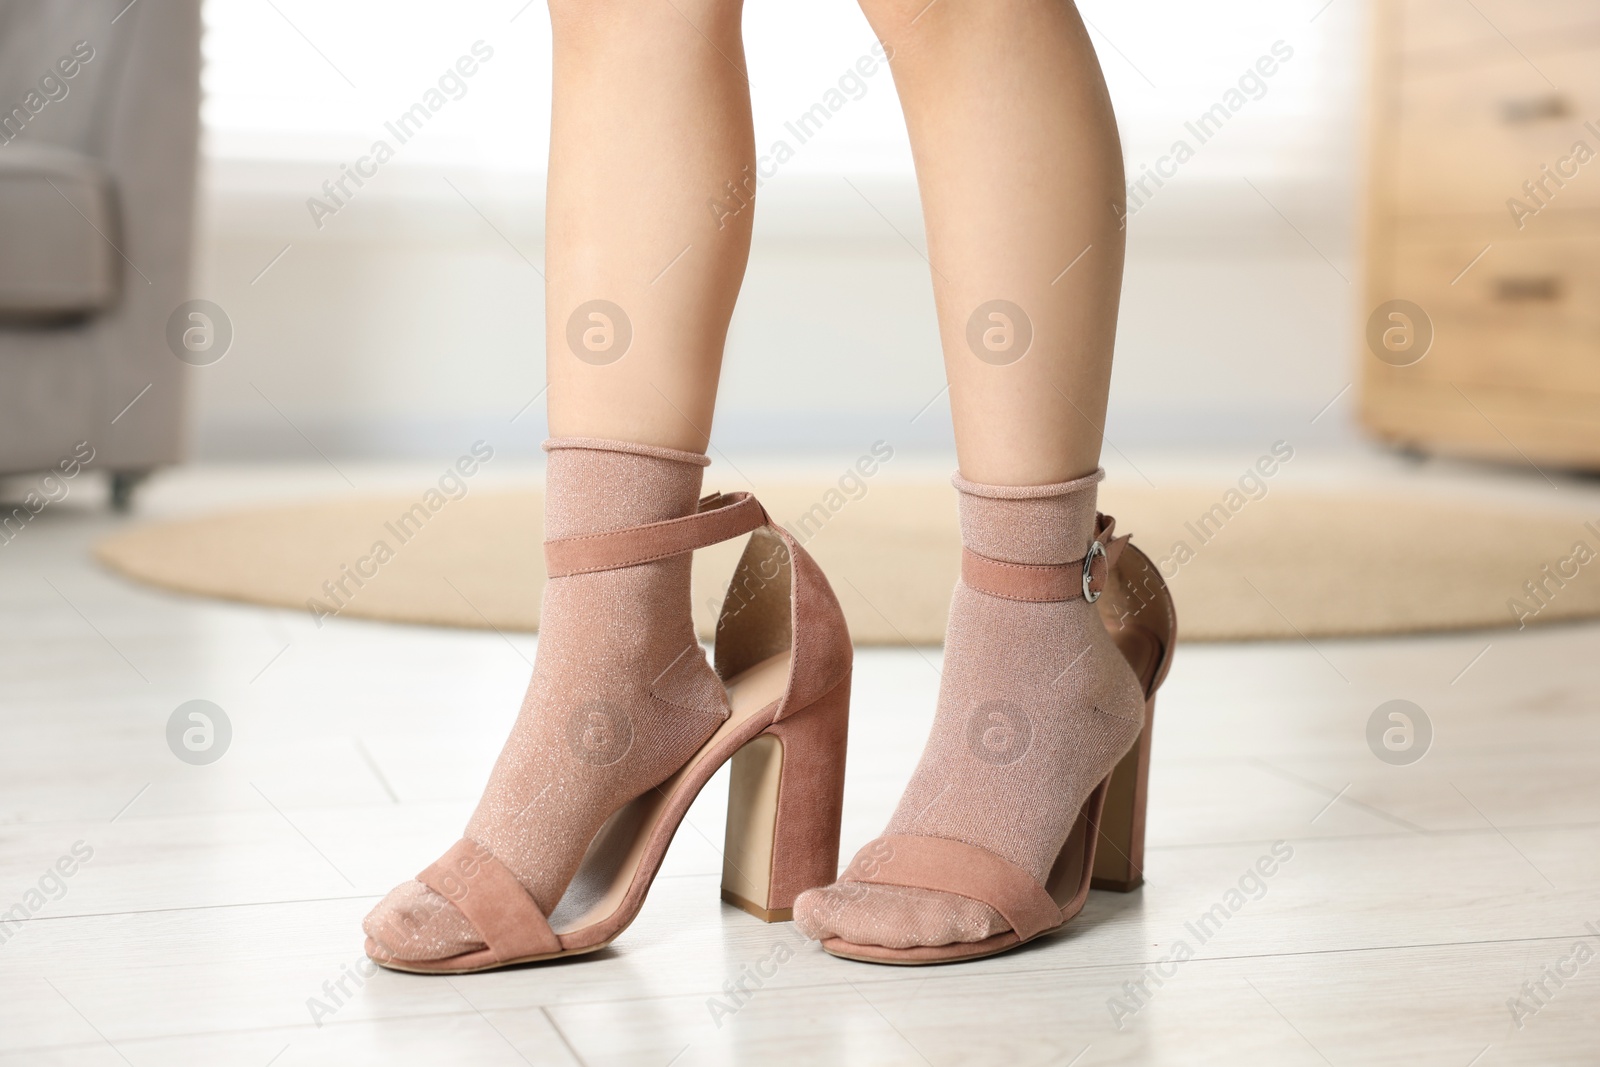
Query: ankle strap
(1050, 582)
(720, 517)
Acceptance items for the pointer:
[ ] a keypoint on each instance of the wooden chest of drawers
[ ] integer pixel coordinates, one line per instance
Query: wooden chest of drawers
(1481, 324)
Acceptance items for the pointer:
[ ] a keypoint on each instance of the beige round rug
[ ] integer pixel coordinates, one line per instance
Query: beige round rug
(1294, 563)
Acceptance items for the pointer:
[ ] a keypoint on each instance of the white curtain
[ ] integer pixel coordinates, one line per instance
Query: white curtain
(312, 81)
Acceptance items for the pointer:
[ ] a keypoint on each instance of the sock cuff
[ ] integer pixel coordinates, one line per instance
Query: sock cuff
(601, 444)
(595, 486)
(1027, 492)
(1030, 524)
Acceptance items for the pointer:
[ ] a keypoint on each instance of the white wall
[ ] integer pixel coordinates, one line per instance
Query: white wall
(408, 324)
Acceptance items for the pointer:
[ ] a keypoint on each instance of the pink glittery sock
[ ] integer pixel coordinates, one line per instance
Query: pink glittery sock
(621, 694)
(1035, 708)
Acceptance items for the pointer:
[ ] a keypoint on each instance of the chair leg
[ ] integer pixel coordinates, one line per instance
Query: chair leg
(123, 483)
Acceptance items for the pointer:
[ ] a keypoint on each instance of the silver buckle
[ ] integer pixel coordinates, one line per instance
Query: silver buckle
(1095, 548)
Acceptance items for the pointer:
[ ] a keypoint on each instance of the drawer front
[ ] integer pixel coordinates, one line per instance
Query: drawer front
(1457, 31)
(1466, 142)
(1525, 316)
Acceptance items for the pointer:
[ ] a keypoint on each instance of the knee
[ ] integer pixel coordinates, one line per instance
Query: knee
(903, 26)
(895, 20)
(893, 12)
(585, 16)
(889, 17)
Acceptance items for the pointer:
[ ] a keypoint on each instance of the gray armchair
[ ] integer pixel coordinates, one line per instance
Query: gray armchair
(99, 129)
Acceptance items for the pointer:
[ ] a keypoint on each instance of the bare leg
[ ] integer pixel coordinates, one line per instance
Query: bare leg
(651, 117)
(1020, 170)
(1021, 177)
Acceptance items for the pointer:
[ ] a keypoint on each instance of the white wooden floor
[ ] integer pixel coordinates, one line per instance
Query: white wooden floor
(221, 900)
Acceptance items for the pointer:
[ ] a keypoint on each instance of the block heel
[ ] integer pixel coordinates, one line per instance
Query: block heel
(785, 799)
(1119, 855)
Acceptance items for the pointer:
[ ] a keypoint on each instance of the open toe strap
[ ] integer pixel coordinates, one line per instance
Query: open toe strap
(494, 902)
(950, 866)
